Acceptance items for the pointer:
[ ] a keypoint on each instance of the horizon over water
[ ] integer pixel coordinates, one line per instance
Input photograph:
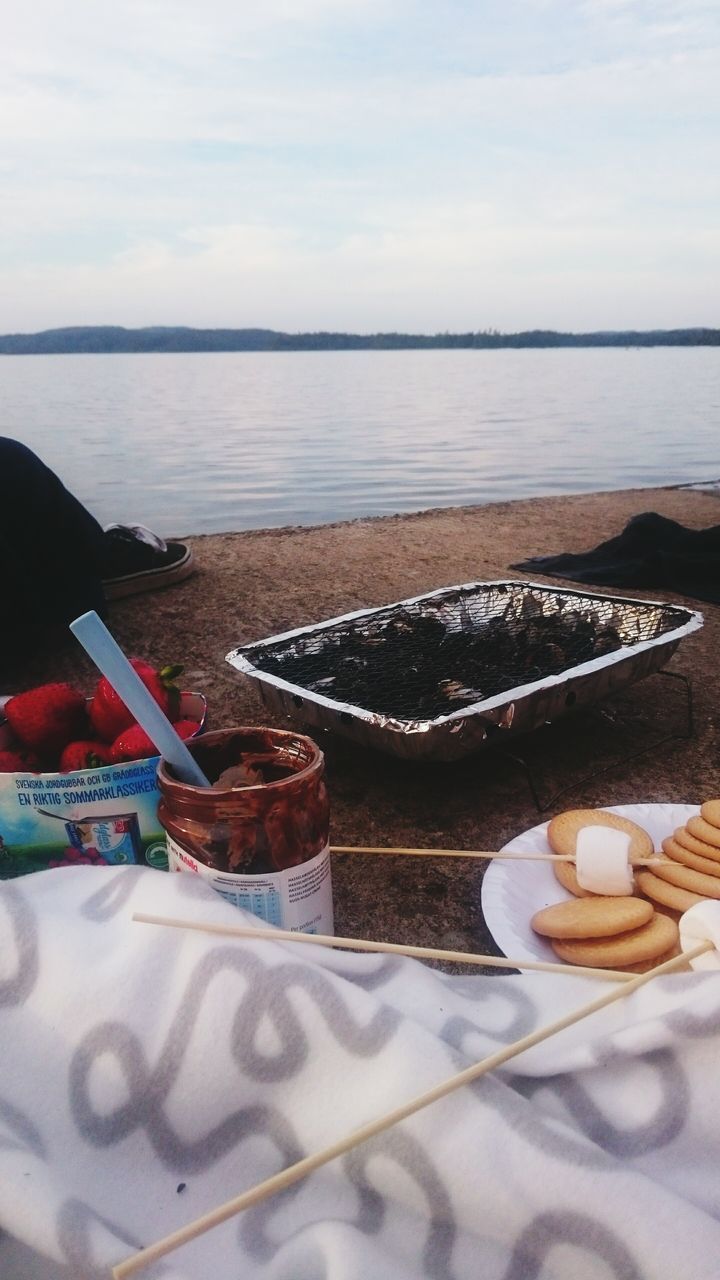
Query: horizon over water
(218, 442)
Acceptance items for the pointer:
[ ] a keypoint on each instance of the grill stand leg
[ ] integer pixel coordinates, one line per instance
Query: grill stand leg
(681, 734)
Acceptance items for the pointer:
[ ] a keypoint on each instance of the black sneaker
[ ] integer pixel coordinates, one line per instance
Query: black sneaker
(138, 560)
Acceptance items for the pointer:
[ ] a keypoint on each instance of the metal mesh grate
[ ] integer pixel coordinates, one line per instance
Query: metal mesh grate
(424, 660)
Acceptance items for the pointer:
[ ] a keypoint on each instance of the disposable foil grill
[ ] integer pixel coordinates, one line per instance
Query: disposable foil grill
(441, 671)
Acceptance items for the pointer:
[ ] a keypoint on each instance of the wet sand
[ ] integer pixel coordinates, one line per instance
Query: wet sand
(251, 585)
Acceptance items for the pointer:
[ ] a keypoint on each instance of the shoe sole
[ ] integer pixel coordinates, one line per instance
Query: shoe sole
(134, 584)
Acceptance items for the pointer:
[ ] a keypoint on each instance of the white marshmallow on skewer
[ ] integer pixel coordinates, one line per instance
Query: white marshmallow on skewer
(701, 923)
(602, 861)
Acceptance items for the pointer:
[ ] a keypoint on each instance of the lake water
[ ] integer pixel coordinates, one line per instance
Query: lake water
(207, 442)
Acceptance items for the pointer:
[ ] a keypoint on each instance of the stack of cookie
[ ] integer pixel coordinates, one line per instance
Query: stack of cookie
(629, 933)
(608, 933)
(692, 872)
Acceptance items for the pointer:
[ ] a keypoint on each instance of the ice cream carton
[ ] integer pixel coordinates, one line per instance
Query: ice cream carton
(105, 815)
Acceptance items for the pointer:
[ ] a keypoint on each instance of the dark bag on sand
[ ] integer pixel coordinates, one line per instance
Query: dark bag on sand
(650, 552)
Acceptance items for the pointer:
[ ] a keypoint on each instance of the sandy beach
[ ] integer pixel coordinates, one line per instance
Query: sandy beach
(251, 585)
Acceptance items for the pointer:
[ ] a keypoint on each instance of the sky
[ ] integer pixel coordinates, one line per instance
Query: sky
(364, 165)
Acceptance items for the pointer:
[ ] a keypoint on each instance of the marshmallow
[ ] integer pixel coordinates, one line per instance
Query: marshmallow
(602, 861)
(701, 923)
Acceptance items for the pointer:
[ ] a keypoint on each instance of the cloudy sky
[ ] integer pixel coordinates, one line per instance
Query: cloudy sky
(360, 164)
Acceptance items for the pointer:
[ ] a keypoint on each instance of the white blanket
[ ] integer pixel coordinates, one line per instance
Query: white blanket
(148, 1075)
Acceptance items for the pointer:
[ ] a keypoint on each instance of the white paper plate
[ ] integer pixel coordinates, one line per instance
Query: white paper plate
(513, 891)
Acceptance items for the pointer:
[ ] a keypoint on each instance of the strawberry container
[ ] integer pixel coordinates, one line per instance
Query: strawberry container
(106, 815)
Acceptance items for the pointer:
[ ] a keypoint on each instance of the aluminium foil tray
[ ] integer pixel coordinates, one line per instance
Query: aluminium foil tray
(402, 718)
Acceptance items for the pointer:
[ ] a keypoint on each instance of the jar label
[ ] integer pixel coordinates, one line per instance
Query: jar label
(299, 898)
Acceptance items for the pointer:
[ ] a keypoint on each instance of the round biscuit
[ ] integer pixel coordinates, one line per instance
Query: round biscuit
(710, 811)
(667, 911)
(566, 874)
(563, 829)
(654, 939)
(592, 917)
(686, 878)
(702, 830)
(645, 965)
(678, 853)
(669, 895)
(693, 845)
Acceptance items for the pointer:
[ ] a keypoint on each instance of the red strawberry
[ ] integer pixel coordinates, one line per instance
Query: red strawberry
(134, 744)
(85, 754)
(186, 728)
(108, 712)
(47, 717)
(19, 761)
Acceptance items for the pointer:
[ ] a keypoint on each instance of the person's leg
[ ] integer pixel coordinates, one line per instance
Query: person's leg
(57, 562)
(51, 548)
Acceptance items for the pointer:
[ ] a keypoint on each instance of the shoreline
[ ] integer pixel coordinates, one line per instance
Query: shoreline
(258, 583)
(190, 340)
(711, 487)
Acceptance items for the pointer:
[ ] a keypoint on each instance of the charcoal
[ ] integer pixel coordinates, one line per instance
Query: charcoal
(427, 660)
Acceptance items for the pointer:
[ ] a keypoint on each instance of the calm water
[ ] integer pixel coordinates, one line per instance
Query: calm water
(202, 443)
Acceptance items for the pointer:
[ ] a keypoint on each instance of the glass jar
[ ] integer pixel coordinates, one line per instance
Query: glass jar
(259, 834)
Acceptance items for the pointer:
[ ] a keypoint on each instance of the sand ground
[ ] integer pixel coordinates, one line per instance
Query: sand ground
(251, 585)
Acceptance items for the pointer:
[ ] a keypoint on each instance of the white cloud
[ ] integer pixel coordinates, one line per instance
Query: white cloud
(443, 270)
(308, 163)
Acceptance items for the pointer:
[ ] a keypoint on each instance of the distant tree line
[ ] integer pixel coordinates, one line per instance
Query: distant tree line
(111, 338)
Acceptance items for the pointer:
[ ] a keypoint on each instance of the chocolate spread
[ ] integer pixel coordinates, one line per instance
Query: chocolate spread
(267, 808)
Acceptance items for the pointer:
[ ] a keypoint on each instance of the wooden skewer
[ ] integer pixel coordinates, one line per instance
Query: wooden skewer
(390, 948)
(287, 1177)
(476, 853)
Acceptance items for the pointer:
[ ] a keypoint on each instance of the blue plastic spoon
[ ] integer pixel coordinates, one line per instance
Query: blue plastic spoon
(107, 655)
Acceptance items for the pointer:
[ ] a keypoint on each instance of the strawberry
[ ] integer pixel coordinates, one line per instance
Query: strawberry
(47, 717)
(134, 743)
(84, 754)
(108, 712)
(186, 728)
(19, 760)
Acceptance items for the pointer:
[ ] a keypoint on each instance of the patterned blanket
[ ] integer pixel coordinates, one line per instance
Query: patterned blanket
(147, 1075)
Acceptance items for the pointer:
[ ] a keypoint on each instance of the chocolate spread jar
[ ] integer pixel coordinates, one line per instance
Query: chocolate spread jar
(259, 834)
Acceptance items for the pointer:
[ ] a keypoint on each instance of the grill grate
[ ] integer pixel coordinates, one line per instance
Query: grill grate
(429, 658)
